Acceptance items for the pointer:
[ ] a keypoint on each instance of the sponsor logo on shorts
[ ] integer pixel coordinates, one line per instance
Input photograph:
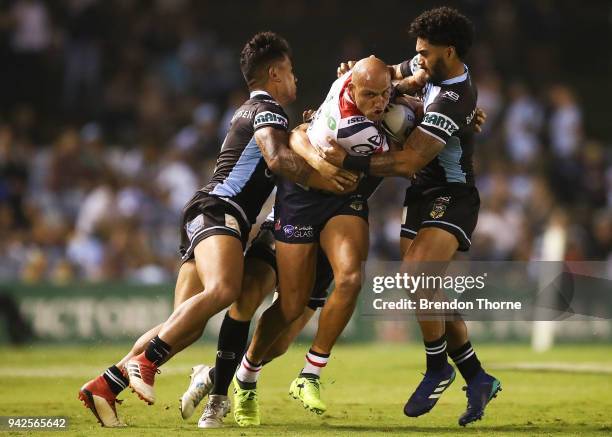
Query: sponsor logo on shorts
(232, 223)
(193, 226)
(298, 231)
(357, 205)
(439, 207)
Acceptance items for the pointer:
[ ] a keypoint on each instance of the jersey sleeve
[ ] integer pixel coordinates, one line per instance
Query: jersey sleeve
(443, 118)
(270, 114)
(407, 68)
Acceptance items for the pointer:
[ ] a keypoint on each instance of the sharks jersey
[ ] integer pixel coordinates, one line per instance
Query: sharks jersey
(241, 176)
(449, 108)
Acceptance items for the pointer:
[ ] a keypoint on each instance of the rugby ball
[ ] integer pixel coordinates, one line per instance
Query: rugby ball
(398, 122)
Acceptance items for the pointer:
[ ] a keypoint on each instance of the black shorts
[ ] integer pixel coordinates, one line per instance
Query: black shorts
(206, 215)
(453, 208)
(301, 214)
(263, 248)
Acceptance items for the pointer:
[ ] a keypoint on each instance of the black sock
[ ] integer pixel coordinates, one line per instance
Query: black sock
(436, 353)
(466, 361)
(157, 351)
(115, 379)
(232, 343)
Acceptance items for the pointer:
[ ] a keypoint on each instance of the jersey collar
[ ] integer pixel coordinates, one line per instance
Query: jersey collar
(259, 93)
(456, 79)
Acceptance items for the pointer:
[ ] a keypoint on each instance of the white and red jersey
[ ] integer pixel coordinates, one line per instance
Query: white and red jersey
(339, 118)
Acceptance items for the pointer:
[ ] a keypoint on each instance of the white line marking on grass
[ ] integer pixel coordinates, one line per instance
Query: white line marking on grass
(75, 371)
(553, 366)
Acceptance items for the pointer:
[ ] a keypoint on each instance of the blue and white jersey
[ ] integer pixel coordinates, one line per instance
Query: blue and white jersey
(449, 108)
(241, 176)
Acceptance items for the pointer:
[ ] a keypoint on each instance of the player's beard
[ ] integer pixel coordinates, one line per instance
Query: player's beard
(437, 72)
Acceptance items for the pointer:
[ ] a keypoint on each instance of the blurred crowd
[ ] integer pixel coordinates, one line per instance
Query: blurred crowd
(112, 114)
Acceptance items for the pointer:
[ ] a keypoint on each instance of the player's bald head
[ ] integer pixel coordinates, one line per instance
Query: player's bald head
(370, 87)
(371, 72)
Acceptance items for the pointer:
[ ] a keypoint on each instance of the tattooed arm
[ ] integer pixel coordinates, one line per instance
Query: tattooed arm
(280, 159)
(419, 149)
(285, 163)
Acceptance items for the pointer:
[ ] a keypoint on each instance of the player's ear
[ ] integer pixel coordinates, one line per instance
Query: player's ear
(273, 73)
(351, 90)
(450, 50)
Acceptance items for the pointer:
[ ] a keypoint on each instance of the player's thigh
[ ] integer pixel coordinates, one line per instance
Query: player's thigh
(220, 264)
(432, 244)
(405, 244)
(430, 252)
(188, 283)
(296, 265)
(345, 241)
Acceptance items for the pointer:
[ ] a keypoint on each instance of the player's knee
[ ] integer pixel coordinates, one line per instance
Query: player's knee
(243, 309)
(349, 282)
(249, 300)
(224, 294)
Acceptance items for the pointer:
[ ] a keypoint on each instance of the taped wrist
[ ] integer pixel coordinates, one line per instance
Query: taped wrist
(357, 163)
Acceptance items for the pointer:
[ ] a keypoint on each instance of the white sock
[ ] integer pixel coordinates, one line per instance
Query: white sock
(248, 372)
(315, 362)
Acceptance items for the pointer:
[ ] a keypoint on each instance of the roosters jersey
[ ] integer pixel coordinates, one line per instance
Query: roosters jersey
(339, 118)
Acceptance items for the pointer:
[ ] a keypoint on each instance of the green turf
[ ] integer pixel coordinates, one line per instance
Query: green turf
(365, 388)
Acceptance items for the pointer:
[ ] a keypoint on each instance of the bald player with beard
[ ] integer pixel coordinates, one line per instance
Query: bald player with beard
(306, 219)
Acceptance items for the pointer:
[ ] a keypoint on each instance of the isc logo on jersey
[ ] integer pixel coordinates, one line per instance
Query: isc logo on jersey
(268, 117)
(440, 121)
(354, 120)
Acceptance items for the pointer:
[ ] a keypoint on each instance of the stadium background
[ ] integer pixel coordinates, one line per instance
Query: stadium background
(112, 112)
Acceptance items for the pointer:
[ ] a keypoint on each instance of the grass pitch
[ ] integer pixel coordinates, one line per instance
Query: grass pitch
(365, 387)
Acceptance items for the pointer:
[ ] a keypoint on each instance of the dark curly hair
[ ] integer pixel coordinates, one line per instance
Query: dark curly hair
(444, 26)
(259, 52)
